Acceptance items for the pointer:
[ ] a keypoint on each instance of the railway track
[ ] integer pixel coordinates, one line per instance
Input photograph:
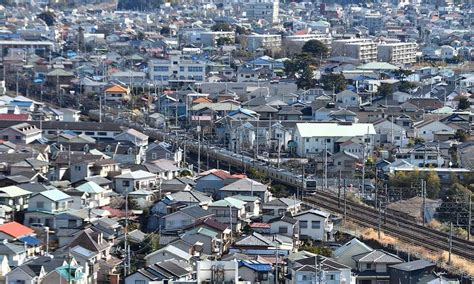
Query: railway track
(395, 226)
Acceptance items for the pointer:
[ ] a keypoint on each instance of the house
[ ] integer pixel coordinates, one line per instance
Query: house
(411, 272)
(212, 180)
(318, 269)
(373, 266)
(14, 197)
(163, 150)
(255, 271)
(246, 187)
(280, 207)
(230, 211)
(44, 206)
(116, 93)
(97, 195)
(284, 225)
(184, 217)
(167, 253)
(23, 133)
(314, 224)
(134, 181)
(427, 129)
(133, 136)
(14, 231)
(421, 155)
(348, 98)
(171, 271)
(345, 253)
(391, 133)
(208, 240)
(180, 199)
(265, 245)
(70, 115)
(15, 254)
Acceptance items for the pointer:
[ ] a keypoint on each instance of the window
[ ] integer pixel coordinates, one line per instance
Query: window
(39, 204)
(90, 133)
(303, 224)
(139, 281)
(331, 277)
(181, 68)
(126, 183)
(369, 265)
(71, 223)
(282, 229)
(77, 168)
(17, 137)
(195, 69)
(328, 140)
(316, 224)
(102, 133)
(154, 156)
(5, 137)
(161, 69)
(307, 139)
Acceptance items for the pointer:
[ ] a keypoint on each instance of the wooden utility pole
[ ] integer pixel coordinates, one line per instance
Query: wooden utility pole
(469, 219)
(450, 241)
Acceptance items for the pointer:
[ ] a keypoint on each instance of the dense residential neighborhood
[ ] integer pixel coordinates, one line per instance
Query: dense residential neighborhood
(259, 141)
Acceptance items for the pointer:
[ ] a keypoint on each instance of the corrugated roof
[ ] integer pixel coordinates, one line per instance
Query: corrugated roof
(55, 195)
(90, 187)
(15, 229)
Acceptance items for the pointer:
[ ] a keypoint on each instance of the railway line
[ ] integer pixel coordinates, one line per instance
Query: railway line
(392, 224)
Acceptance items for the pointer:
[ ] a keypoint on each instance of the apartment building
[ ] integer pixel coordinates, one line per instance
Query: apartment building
(177, 69)
(256, 41)
(300, 40)
(263, 9)
(397, 53)
(374, 22)
(364, 50)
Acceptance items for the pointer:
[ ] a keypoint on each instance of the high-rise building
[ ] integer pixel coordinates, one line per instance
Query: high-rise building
(263, 9)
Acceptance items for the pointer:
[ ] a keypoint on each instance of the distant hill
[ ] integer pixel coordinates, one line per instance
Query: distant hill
(138, 5)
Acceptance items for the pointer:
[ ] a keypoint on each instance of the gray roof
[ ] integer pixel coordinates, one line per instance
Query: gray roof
(413, 265)
(255, 239)
(244, 184)
(9, 248)
(377, 256)
(195, 212)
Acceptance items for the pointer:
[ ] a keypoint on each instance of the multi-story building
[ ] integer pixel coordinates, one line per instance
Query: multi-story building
(294, 43)
(256, 41)
(397, 53)
(177, 69)
(263, 9)
(364, 50)
(374, 22)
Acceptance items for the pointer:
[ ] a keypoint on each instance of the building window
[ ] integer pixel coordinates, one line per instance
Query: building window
(195, 69)
(369, 265)
(125, 183)
(316, 224)
(181, 68)
(161, 69)
(71, 223)
(40, 204)
(303, 224)
(139, 281)
(17, 137)
(282, 229)
(77, 168)
(5, 137)
(154, 156)
(101, 133)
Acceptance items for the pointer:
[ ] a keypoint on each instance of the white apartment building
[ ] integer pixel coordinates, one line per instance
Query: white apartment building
(302, 39)
(256, 41)
(177, 68)
(364, 50)
(263, 9)
(397, 53)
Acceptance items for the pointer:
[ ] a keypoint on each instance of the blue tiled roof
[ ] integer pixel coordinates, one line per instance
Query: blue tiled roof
(32, 241)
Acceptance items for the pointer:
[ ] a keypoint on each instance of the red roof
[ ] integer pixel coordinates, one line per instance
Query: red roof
(218, 173)
(11, 116)
(260, 225)
(15, 229)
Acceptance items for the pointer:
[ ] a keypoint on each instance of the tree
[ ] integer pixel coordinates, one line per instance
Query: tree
(316, 48)
(222, 27)
(335, 82)
(306, 79)
(48, 17)
(319, 250)
(464, 103)
(433, 185)
(279, 190)
(460, 135)
(223, 41)
(385, 90)
(406, 86)
(165, 31)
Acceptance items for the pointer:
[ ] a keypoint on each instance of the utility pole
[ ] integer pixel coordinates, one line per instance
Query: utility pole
(363, 172)
(469, 219)
(325, 165)
(345, 202)
(379, 225)
(303, 185)
(199, 149)
(125, 268)
(423, 194)
(450, 241)
(339, 191)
